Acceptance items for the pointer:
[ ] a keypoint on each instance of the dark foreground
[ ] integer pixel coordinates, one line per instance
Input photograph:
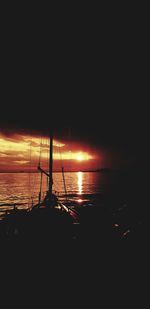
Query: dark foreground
(115, 224)
(103, 259)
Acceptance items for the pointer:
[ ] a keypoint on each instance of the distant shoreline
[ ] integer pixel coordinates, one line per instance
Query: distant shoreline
(34, 172)
(83, 171)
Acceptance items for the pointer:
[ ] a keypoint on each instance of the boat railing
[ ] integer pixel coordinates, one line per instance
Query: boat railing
(71, 211)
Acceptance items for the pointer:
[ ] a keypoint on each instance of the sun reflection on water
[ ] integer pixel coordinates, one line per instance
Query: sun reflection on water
(80, 181)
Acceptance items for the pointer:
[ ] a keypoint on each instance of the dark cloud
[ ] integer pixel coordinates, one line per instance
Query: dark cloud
(110, 126)
(90, 92)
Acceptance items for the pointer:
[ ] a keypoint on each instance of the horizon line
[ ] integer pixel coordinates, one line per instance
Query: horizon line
(55, 171)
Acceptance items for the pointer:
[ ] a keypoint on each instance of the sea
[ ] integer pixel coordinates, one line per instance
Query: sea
(113, 201)
(22, 189)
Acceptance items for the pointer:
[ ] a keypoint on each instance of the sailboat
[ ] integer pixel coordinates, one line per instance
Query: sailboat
(49, 218)
(50, 200)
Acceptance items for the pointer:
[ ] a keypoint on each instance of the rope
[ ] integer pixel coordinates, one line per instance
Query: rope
(35, 178)
(47, 162)
(40, 188)
(40, 152)
(40, 155)
(63, 175)
(30, 165)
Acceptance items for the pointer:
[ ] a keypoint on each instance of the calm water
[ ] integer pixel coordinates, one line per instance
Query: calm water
(108, 191)
(22, 189)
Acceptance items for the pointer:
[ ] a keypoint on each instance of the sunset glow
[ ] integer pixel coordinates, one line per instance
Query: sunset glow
(20, 150)
(81, 157)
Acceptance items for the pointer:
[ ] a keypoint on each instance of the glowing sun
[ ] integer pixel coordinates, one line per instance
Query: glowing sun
(80, 157)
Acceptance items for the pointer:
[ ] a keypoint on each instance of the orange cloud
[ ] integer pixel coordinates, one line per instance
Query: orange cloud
(20, 150)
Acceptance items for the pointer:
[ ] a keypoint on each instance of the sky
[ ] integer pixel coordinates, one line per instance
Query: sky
(90, 87)
(22, 152)
(81, 147)
(103, 126)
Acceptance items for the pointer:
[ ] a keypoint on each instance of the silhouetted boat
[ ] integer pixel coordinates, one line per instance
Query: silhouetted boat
(49, 218)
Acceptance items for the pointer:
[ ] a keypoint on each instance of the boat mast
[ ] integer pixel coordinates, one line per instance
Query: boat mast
(51, 163)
